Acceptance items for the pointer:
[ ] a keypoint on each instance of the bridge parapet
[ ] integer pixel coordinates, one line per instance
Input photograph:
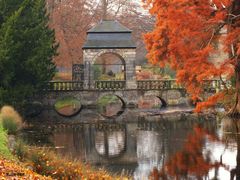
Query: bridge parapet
(110, 85)
(146, 85)
(157, 84)
(64, 86)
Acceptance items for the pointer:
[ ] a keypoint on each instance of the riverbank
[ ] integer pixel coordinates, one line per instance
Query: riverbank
(22, 161)
(10, 167)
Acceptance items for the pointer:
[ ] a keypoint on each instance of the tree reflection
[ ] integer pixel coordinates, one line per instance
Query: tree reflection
(191, 161)
(231, 129)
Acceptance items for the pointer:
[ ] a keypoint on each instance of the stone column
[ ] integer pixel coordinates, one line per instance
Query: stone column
(86, 63)
(130, 57)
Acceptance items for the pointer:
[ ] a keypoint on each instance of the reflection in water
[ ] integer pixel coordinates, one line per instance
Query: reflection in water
(231, 133)
(191, 162)
(110, 144)
(174, 147)
(149, 153)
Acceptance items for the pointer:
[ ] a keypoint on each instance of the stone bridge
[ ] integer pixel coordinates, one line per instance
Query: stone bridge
(168, 91)
(111, 51)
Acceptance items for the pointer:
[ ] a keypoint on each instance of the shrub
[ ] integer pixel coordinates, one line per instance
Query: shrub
(9, 125)
(20, 150)
(11, 120)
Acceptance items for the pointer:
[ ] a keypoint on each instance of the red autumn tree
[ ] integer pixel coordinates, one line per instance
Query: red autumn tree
(188, 36)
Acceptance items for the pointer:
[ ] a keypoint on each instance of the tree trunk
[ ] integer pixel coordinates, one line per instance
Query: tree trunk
(235, 10)
(235, 111)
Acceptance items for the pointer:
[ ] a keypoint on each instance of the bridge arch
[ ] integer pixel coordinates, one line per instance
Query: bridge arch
(109, 107)
(164, 103)
(108, 51)
(151, 100)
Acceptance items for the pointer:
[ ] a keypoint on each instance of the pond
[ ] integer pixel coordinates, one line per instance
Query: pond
(139, 143)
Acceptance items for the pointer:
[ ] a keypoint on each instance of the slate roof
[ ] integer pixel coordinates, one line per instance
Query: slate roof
(109, 26)
(109, 34)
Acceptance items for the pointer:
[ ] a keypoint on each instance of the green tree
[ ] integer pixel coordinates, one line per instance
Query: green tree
(27, 46)
(7, 7)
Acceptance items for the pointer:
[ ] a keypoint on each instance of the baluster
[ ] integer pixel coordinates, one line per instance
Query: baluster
(103, 85)
(156, 85)
(56, 86)
(118, 85)
(112, 85)
(67, 86)
(96, 85)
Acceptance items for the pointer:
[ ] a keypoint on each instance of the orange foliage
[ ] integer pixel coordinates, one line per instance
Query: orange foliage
(11, 170)
(210, 102)
(144, 75)
(187, 35)
(191, 160)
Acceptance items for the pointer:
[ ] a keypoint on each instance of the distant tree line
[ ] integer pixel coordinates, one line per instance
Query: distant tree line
(71, 19)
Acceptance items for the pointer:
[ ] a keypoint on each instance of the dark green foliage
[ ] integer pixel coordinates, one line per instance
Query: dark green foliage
(27, 47)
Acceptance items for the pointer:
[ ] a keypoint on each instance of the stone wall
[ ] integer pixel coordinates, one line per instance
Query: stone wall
(129, 97)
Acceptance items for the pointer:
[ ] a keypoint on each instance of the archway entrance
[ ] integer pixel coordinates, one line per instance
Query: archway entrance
(109, 71)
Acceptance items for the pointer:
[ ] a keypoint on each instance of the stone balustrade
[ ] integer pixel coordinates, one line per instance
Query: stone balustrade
(210, 85)
(64, 86)
(110, 85)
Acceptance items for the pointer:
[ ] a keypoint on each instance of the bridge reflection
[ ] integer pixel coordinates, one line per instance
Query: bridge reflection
(136, 147)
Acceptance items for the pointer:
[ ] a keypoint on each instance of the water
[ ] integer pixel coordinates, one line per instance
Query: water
(176, 144)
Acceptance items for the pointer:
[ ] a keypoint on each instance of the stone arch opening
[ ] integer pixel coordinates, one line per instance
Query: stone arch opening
(164, 103)
(67, 106)
(110, 105)
(109, 66)
(151, 102)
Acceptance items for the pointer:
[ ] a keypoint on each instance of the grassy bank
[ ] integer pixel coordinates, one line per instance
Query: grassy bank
(4, 151)
(11, 167)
